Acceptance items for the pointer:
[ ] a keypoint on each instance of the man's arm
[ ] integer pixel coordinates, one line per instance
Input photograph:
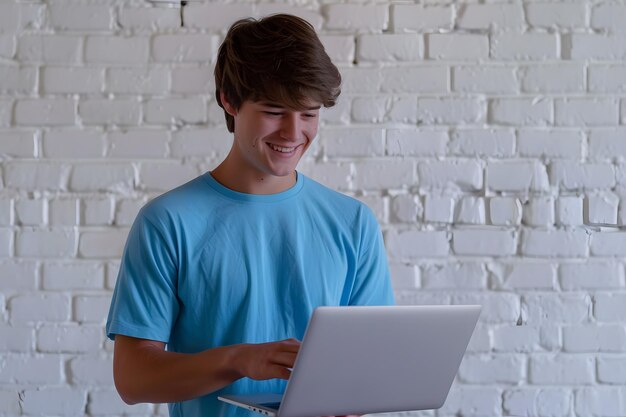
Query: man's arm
(145, 372)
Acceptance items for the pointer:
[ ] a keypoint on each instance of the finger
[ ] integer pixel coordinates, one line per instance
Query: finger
(286, 359)
(291, 345)
(281, 372)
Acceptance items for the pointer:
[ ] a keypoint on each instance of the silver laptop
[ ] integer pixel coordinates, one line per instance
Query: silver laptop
(361, 360)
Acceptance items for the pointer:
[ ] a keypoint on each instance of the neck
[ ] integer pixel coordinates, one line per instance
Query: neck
(249, 181)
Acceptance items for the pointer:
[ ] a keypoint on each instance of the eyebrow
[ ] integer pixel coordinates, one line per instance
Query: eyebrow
(281, 106)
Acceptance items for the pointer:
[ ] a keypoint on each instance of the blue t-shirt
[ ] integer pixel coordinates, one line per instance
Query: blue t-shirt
(205, 266)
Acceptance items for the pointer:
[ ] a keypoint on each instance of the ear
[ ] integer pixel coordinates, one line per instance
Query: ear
(230, 109)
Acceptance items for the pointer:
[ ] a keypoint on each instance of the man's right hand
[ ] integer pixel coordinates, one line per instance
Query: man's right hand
(267, 360)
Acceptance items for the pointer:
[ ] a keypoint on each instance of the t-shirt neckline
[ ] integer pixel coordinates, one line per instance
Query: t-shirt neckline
(256, 198)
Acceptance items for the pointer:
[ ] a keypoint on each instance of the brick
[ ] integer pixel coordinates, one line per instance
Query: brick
(356, 17)
(31, 370)
(59, 49)
(612, 370)
(422, 79)
(480, 400)
(73, 276)
(18, 144)
(547, 369)
(110, 111)
(138, 144)
(559, 15)
(57, 400)
(6, 244)
(524, 47)
(521, 111)
(606, 144)
(150, 19)
(57, 243)
(608, 244)
(117, 49)
(176, 111)
(586, 112)
(542, 401)
(596, 47)
(361, 80)
(553, 144)
(482, 142)
(485, 79)
(593, 338)
(162, 176)
(438, 209)
(572, 308)
(91, 308)
(69, 338)
(371, 110)
(39, 307)
(102, 244)
(470, 210)
(18, 80)
(18, 275)
(495, 17)
(389, 47)
(497, 308)
(91, 370)
(6, 211)
(570, 175)
(138, 80)
(412, 244)
(405, 208)
(45, 112)
(16, 339)
(601, 208)
(30, 212)
(112, 272)
(505, 211)
(464, 275)
(404, 276)
(608, 16)
(379, 206)
(539, 212)
(524, 339)
(184, 48)
(456, 175)
(516, 176)
(335, 175)
(6, 112)
(63, 212)
(193, 80)
(403, 110)
(105, 401)
(340, 48)
(72, 15)
(555, 243)
(554, 78)
(457, 46)
(369, 174)
(7, 46)
(607, 78)
(569, 211)
(492, 369)
(480, 342)
(610, 307)
(421, 18)
(71, 80)
(459, 111)
(36, 176)
(14, 17)
(590, 276)
(484, 242)
(339, 114)
(95, 177)
(211, 142)
(127, 210)
(600, 401)
(73, 143)
(416, 142)
(353, 142)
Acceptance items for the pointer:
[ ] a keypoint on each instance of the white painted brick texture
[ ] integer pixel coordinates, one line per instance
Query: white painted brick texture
(489, 139)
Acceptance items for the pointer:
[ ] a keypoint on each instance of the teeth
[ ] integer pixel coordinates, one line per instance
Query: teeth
(281, 149)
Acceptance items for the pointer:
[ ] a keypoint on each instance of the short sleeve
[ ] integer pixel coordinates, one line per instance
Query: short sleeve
(372, 284)
(144, 303)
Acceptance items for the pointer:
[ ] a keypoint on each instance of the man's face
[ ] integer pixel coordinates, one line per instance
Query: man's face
(270, 138)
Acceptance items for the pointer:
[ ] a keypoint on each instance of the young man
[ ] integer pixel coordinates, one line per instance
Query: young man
(226, 270)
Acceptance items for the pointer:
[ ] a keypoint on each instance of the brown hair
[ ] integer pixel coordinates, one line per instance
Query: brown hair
(279, 59)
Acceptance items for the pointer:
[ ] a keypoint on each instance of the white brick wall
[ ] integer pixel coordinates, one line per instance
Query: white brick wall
(487, 137)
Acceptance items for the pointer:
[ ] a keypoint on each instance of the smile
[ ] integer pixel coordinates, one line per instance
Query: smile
(281, 149)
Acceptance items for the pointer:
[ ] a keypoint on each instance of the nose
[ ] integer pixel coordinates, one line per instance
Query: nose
(291, 127)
